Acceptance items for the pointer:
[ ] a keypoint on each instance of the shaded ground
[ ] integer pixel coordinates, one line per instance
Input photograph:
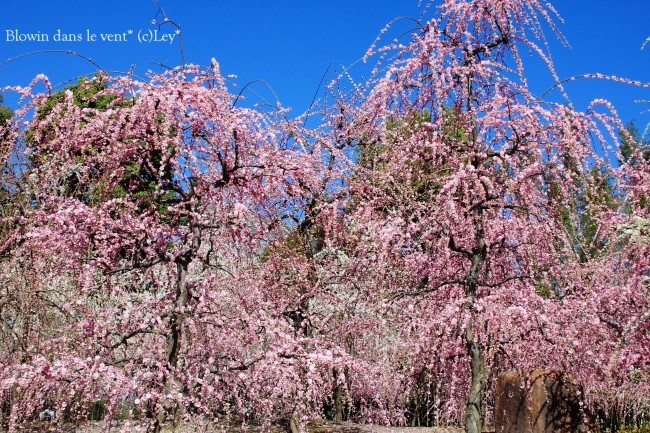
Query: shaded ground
(312, 427)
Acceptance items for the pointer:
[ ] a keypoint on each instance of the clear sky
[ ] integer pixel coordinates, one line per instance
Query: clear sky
(290, 43)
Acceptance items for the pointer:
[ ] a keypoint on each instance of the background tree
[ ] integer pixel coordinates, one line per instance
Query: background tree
(6, 112)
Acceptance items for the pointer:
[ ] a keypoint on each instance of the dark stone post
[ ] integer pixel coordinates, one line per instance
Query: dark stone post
(539, 401)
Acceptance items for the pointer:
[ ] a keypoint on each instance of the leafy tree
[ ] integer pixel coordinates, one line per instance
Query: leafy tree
(146, 177)
(634, 148)
(6, 112)
(9, 196)
(635, 152)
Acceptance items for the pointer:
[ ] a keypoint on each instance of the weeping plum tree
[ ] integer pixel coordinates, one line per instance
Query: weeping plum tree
(126, 271)
(475, 208)
(165, 245)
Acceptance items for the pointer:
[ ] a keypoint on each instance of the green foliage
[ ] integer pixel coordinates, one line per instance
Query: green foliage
(85, 94)
(370, 152)
(454, 130)
(631, 140)
(6, 113)
(141, 181)
(303, 241)
(427, 182)
(642, 427)
(9, 195)
(97, 410)
(599, 195)
(407, 125)
(591, 193)
(635, 150)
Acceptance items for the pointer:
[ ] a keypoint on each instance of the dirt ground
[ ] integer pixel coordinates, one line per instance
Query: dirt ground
(312, 427)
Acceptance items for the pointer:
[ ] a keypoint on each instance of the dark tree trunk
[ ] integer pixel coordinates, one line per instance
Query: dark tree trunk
(474, 413)
(182, 297)
(474, 410)
(338, 404)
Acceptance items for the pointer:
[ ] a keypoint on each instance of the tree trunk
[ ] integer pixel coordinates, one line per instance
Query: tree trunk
(338, 404)
(175, 331)
(176, 319)
(294, 423)
(474, 415)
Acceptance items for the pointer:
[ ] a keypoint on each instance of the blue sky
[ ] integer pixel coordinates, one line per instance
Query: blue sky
(290, 43)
